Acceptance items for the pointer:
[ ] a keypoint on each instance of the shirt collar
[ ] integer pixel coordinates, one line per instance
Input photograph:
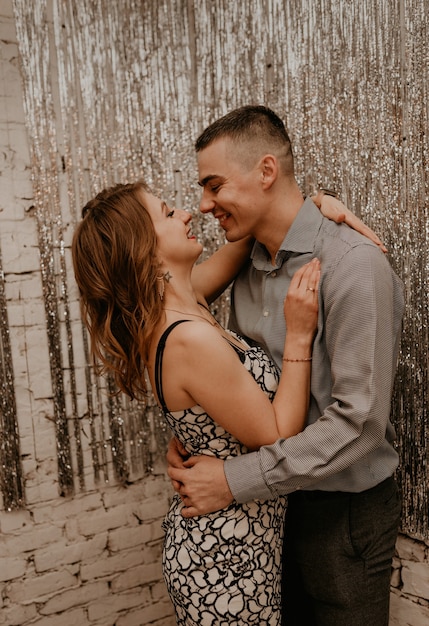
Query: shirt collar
(300, 238)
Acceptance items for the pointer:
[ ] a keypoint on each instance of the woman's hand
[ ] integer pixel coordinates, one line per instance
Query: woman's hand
(301, 306)
(335, 210)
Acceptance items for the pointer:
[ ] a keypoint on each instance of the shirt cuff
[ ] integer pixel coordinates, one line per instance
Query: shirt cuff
(245, 479)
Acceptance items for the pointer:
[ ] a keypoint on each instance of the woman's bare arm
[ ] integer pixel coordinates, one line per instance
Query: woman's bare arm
(335, 210)
(212, 376)
(211, 277)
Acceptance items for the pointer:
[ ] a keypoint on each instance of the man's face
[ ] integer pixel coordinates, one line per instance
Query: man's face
(231, 189)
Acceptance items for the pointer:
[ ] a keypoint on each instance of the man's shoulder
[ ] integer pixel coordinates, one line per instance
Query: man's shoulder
(340, 247)
(340, 239)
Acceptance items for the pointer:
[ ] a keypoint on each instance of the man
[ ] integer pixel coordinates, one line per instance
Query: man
(343, 512)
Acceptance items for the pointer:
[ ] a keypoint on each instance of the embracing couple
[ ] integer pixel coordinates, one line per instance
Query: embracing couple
(283, 460)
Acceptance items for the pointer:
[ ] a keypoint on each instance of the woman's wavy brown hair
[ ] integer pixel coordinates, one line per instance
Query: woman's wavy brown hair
(116, 267)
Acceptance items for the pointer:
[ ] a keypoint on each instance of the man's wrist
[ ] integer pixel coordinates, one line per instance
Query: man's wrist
(245, 479)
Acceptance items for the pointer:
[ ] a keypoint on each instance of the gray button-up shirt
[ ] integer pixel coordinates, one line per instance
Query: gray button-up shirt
(347, 445)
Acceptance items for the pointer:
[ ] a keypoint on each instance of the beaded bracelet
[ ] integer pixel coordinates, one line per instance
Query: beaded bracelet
(329, 192)
(310, 358)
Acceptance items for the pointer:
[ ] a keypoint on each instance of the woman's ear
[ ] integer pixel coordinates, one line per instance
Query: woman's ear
(269, 168)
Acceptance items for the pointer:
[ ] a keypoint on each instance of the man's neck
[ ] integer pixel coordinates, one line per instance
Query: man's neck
(279, 220)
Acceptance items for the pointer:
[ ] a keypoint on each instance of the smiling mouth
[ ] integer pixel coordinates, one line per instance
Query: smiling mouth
(223, 218)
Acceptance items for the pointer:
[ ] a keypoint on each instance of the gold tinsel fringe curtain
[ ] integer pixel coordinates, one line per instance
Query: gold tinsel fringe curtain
(118, 90)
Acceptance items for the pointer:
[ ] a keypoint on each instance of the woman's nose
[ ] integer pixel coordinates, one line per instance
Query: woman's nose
(184, 215)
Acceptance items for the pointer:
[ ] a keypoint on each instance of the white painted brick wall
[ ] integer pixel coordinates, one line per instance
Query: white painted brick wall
(410, 583)
(79, 558)
(93, 559)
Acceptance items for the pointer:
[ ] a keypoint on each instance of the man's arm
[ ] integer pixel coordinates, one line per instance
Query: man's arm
(363, 303)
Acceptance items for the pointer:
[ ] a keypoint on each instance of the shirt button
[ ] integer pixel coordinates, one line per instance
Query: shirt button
(274, 274)
(266, 313)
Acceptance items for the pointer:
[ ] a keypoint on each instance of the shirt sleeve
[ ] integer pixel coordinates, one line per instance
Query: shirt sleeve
(362, 301)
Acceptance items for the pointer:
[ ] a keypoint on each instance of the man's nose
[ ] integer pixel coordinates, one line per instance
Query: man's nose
(207, 204)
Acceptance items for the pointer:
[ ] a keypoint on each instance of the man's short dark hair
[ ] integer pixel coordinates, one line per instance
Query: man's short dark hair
(251, 124)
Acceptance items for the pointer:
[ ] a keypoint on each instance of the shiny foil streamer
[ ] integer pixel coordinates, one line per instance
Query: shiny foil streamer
(32, 33)
(11, 481)
(126, 89)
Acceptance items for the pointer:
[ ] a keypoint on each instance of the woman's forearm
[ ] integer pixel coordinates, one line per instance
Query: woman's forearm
(211, 277)
(293, 394)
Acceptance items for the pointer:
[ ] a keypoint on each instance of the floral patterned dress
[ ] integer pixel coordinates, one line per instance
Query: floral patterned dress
(222, 569)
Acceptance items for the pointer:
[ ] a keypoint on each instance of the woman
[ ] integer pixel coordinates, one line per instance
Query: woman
(145, 303)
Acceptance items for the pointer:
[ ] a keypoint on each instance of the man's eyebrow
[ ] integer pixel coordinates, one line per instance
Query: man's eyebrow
(207, 179)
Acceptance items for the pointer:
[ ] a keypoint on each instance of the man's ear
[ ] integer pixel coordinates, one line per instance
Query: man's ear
(269, 169)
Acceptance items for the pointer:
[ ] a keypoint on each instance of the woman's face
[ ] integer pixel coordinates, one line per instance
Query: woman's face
(176, 242)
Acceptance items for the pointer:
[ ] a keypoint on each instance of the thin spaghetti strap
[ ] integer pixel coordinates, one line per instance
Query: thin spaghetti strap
(158, 362)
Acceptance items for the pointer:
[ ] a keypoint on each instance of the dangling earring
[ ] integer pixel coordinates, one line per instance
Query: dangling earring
(161, 286)
(164, 278)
